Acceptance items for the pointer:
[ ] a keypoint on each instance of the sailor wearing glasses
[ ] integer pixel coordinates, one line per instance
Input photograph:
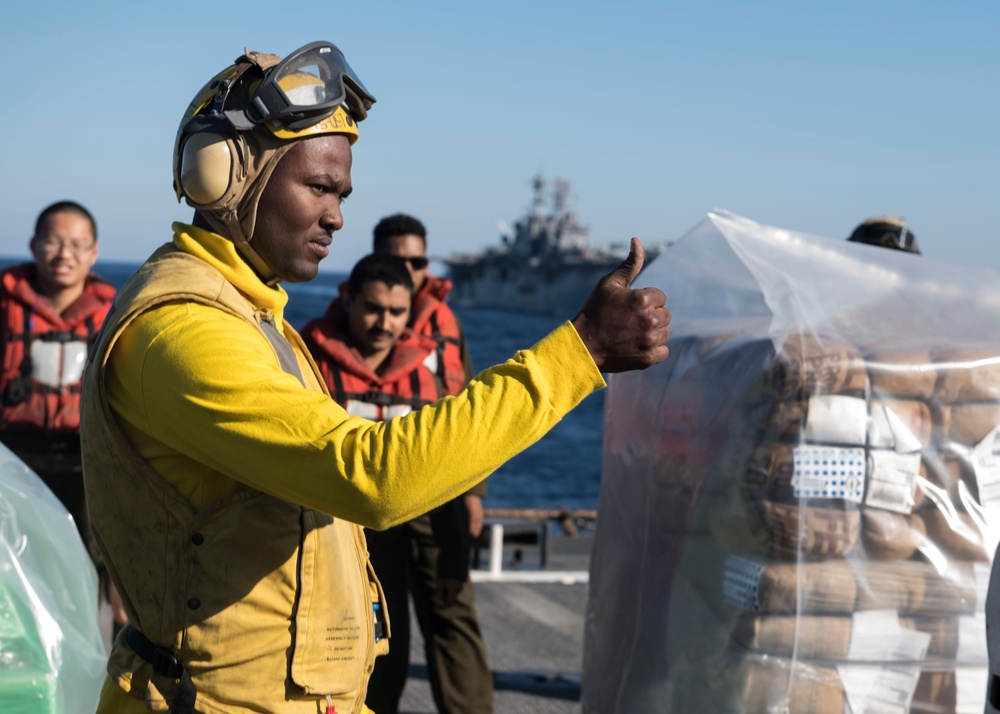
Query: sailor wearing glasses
(457, 661)
(51, 309)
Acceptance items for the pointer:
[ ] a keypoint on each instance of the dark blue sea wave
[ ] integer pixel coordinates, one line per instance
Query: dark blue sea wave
(562, 470)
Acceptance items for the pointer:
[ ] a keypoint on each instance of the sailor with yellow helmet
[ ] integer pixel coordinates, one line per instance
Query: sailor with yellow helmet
(227, 490)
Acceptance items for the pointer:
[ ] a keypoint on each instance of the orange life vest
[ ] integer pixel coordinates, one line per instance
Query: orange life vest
(432, 317)
(408, 381)
(44, 353)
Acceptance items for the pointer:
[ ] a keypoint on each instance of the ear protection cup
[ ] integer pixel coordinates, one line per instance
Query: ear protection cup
(212, 169)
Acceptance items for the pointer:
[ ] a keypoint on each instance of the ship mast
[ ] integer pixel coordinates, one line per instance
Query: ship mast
(538, 184)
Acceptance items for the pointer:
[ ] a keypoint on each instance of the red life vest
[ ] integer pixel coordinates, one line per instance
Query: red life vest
(432, 317)
(408, 381)
(44, 353)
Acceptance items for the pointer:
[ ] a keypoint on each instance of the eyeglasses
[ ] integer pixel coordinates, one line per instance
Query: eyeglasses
(417, 262)
(54, 246)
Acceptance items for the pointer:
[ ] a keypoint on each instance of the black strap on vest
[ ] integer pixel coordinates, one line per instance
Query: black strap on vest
(441, 341)
(376, 397)
(22, 386)
(164, 663)
(19, 388)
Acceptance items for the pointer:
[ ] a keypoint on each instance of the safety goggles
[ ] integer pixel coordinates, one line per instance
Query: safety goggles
(299, 91)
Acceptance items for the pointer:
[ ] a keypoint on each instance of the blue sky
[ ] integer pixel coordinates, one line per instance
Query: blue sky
(805, 115)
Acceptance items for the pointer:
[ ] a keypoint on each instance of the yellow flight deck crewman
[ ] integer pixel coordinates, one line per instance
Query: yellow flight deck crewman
(227, 490)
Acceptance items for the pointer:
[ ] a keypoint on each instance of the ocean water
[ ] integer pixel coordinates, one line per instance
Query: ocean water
(561, 470)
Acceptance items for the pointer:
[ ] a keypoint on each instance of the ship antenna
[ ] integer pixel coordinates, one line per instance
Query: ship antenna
(561, 196)
(538, 183)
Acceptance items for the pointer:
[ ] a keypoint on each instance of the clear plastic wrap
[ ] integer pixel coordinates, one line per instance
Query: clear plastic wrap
(52, 657)
(799, 508)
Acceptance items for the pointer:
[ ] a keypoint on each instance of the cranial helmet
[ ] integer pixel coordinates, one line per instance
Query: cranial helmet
(887, 232)
(247, 117)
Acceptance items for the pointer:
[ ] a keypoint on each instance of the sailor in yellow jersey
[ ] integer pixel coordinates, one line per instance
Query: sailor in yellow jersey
(227, 490)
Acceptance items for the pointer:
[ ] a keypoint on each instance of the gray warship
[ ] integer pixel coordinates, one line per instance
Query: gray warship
(545, 265)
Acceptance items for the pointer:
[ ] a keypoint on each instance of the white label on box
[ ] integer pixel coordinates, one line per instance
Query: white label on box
(741, 582)
(893, 481)
(970, 686)
(836, 419)
(828, 472)
(972, 639)
(872, 634)
(889, 431)
(882, 688)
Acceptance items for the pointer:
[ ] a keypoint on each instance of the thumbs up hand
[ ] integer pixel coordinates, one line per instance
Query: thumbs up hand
(624, 329)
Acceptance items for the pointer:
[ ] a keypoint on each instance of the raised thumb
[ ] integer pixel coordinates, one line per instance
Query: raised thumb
(625, 273)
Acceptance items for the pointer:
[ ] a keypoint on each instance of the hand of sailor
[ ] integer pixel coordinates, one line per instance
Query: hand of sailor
(624, 329)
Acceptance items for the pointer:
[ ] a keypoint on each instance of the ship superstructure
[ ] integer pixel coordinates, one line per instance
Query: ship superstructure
(546, 264)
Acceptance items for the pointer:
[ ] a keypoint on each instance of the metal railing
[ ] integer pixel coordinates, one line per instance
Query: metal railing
(527, 526)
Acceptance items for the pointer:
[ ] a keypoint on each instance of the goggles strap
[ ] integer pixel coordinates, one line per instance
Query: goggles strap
(242, 223)
(225, 87)
(261, 59)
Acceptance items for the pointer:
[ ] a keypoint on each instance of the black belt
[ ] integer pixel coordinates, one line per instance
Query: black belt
(163, 662)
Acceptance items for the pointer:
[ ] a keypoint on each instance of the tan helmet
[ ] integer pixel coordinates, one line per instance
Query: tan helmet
(246, 118)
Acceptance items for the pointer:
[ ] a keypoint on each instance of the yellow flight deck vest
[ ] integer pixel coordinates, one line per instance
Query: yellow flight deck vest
(268, 605)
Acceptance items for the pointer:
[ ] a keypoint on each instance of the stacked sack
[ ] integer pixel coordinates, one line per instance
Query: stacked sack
(840, 559)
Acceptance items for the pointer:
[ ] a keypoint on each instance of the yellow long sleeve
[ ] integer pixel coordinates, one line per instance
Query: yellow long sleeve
(197, 391)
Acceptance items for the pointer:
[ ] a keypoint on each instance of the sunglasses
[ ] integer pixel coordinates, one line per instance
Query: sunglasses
(418, 262)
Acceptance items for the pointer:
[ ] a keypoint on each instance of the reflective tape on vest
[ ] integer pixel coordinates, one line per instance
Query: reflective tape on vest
(58, 364)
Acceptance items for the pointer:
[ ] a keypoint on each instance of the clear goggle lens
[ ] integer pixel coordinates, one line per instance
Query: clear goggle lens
(307, 86)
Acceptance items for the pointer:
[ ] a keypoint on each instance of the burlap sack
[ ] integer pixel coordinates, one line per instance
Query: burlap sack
(936, 693)
(913, 414)
(794, 420)
(915, 588)
(824, 587)
(838, 419)
(770, 473)
(746, 521)
(813, 532)
(890, 536)
(897, 373)
(808, 636)
(966, 423)
(808, 364)
(956, 534)
(770, 685)
(759, 684)
(749, 684)
(947, 476)
(829, 636)
(943, 632)
(968, 374)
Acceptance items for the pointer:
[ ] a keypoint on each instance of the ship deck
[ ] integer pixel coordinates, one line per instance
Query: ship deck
(533, 632)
